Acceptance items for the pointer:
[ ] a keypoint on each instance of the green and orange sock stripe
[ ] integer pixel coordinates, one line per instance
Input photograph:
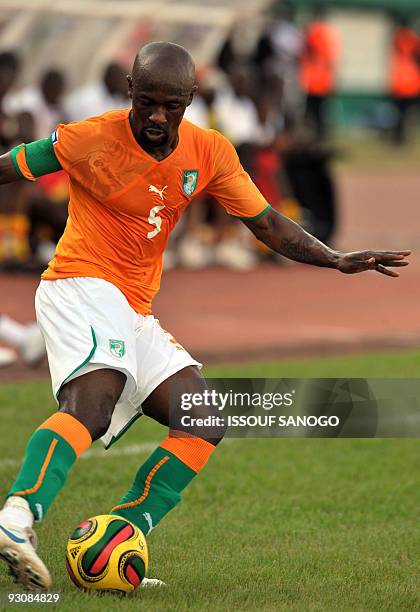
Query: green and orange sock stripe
(146, 488)
(50, 453)
(160, 480)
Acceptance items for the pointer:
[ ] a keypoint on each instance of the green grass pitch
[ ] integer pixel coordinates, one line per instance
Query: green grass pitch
(298, 524)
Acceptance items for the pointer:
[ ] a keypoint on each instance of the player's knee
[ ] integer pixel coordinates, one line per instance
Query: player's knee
(218, 436)
(95, 415)
(206, 422)
(92, 399)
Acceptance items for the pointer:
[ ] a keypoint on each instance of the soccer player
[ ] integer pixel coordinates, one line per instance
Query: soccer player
(132, 174)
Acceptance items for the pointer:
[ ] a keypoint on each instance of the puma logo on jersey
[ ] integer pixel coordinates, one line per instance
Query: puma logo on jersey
(160, 192)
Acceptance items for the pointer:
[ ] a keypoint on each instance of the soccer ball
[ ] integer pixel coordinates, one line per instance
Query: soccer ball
(107, 553)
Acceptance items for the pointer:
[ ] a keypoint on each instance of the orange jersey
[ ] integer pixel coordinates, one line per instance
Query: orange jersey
(124, 203)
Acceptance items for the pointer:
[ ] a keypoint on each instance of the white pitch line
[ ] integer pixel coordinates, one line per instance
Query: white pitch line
(98, 453)
(6, 463)
(101, 453)
(131, 449)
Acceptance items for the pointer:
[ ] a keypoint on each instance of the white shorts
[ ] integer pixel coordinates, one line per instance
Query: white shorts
(87, 325)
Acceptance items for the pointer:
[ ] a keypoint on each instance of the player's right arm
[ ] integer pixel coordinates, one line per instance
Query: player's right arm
(29, 161)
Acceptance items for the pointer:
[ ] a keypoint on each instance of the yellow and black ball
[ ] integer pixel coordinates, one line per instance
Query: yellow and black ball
(107, 553)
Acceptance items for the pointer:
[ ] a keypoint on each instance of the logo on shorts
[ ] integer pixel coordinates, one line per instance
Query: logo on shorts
(117, 348)
(190, 181)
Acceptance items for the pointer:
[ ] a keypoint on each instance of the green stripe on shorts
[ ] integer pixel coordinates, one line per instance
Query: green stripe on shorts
(79, 367)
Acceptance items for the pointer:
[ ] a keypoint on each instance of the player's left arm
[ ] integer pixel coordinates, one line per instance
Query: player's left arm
(286, 237)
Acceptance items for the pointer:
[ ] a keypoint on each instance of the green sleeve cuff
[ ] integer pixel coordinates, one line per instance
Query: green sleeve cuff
(266, 209)
(41, 157)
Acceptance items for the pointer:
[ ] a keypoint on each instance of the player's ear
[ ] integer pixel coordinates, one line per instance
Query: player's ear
(130, 86)
(193, 90)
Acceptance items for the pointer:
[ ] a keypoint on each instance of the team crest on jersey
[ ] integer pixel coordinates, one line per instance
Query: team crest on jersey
(190, 181)
(117, 348)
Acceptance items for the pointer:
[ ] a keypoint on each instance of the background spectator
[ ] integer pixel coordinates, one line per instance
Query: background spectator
(40, 108)
(404, 76)
(235, 112)
(277, 57)
(14, 224)
(110, 93)
(318, 65)
(43, 102)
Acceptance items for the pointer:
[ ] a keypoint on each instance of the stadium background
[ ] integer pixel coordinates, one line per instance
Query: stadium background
(237, 309)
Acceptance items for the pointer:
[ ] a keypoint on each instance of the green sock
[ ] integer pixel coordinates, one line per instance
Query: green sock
(155, 491)
(50, 453)
(48, 458)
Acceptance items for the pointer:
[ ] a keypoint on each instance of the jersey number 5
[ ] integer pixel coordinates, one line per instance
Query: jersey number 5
(155, 220)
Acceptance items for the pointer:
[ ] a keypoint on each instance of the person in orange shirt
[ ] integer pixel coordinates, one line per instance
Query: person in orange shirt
(404, 77)
(132, 174)
(318, 64)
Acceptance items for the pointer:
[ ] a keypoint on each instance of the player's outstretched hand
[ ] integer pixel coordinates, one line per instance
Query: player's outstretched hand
(360, 261)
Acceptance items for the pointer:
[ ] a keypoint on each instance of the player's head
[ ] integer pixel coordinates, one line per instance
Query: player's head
(162, 85)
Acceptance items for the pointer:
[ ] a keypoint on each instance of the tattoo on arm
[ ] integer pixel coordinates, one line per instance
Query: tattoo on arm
(286, 237)
(299, 250)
